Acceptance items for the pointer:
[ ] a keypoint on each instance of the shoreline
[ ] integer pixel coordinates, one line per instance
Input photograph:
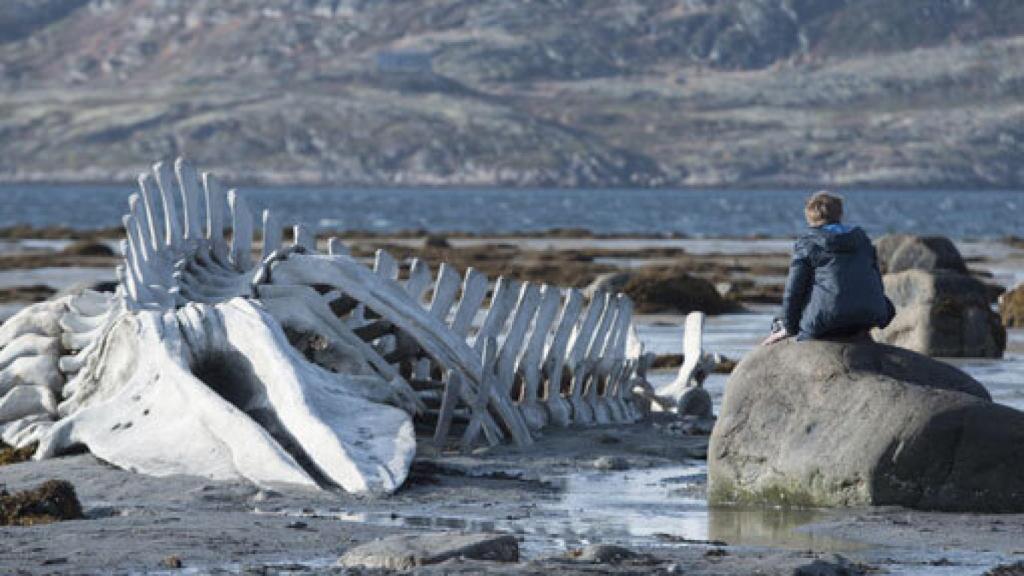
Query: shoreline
(288, 180)
(552, 497)
(63, 232)
(39, 262)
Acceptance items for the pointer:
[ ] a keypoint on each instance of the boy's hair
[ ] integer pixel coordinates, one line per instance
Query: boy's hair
(824, 208)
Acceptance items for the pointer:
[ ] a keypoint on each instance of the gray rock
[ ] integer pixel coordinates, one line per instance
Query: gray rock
(942, 314)
(846, 424)
(697, 425)
(899, 252)
(838, 566)
(608, 554)
(696, 401)
(405, 551)
(611, 463)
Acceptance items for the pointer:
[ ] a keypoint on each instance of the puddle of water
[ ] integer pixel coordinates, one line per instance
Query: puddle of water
(773, 528)
(653, 507)
(668, 506)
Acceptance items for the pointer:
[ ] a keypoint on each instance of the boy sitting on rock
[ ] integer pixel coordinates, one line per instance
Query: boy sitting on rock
(834, 289)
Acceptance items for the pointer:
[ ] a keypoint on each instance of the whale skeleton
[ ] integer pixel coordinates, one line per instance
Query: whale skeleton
(300, 367)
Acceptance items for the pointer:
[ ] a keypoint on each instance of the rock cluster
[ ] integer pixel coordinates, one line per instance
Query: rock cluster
(844, 424)
(941, 310)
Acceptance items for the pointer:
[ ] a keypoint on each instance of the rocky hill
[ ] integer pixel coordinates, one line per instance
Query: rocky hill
(518, 92)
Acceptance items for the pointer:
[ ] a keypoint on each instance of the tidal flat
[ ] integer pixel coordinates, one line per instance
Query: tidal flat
(556, 497)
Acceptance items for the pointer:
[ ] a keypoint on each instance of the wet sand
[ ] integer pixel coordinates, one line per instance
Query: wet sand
(552, 497)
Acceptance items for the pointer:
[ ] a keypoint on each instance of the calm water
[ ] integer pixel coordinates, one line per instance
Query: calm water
(733, 335)
(714, 213)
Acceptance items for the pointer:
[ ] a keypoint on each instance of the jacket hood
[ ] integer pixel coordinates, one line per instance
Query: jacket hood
(838, 237)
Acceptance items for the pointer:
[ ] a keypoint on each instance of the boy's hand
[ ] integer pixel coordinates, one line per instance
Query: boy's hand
(775, 337)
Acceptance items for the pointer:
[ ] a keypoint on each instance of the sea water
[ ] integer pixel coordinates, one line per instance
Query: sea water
(693, 212)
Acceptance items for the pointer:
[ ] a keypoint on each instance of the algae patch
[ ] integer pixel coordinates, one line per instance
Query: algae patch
(51, 501)
(11, 455)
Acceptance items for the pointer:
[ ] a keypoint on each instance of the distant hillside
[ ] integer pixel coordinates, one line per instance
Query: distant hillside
(518, 92)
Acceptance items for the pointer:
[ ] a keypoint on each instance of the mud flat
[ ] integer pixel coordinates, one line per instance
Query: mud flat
(635, 486)
(555, 498)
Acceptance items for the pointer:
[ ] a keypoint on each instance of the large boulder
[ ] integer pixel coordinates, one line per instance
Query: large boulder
(899, 252)
(664, 289)
(845, 424)
(1011, 308)
(942, 313)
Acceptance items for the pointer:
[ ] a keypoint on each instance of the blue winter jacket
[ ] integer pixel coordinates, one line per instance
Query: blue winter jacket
(834, 286)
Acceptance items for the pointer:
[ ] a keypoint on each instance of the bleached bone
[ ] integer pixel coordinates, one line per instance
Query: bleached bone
(530, 364)
(609, 368)
(389, 299)
(581, 356)
(25, 431)
(559, 409)
(604, 356)
(299, 367)
(695, 368)
(24, 401)
(474, 290)
(304, 236)
(335, 247)
(27, 345)
(526, 308)
(445, 290)
(484, 391)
